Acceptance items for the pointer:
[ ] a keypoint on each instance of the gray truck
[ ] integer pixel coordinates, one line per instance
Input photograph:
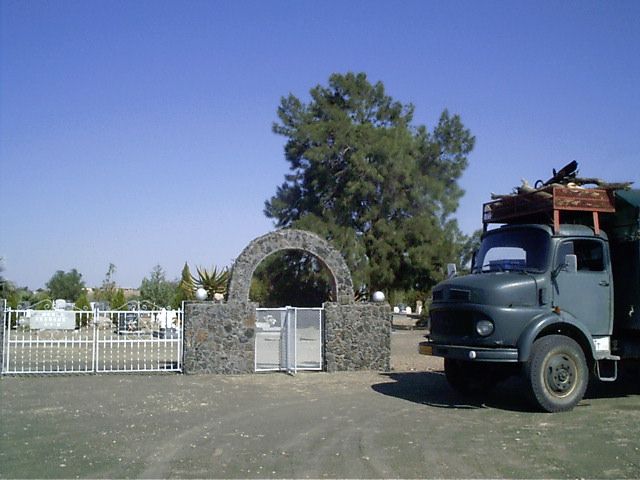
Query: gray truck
(553, 295)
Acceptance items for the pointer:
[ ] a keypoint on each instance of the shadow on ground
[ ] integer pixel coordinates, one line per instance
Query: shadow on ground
(627, 385)
(431, 388)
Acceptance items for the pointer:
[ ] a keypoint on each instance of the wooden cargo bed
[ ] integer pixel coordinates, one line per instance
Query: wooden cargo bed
(545, 206)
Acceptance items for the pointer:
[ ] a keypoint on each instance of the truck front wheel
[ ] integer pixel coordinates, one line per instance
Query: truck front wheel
(556, 373)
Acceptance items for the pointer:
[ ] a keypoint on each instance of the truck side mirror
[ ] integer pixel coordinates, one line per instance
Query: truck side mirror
(571, 263)
(452, 270)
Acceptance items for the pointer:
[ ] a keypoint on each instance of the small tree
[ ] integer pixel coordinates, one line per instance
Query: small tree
(82, 303)
(108, 288)
(66, 285)
(157, 289)
(3, 282)
(186, 288)
(12, 295)
(40, 298)
(118, 301)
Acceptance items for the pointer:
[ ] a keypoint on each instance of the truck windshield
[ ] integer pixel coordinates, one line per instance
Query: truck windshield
(513, 250)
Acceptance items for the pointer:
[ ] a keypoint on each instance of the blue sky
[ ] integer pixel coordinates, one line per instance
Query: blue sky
(139, 133)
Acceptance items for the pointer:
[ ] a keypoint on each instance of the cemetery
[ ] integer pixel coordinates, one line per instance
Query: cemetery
(235, 336)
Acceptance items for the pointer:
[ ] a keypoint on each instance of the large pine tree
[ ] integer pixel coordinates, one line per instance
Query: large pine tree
(378, 187)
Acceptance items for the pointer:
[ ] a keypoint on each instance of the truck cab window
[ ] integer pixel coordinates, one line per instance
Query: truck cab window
(589, 254)
(513, 250)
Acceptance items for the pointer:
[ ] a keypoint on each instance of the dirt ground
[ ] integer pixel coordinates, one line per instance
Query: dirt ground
(406, 423)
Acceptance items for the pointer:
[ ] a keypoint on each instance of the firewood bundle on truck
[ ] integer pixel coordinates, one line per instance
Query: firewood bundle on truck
(553, 294)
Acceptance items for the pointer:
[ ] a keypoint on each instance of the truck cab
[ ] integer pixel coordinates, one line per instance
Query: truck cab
(539, 302)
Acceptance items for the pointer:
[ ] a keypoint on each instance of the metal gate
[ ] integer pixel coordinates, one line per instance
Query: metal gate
(289, 339)
(64, 341)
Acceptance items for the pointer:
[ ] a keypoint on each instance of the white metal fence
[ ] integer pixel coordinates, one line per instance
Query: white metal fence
(60, 341)
(289, 339)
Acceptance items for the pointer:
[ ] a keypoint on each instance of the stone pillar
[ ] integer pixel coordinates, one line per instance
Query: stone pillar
(357, 337)
(219, 337)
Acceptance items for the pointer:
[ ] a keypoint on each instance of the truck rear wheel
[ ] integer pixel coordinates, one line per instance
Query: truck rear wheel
(469, 378)
(556, 373)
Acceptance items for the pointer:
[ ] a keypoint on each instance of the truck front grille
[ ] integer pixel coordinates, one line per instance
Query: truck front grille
(447, 294)
(452, 322)
(457, 295)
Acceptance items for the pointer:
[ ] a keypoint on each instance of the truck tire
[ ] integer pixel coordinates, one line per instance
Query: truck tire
(556, 373)
(469, 378)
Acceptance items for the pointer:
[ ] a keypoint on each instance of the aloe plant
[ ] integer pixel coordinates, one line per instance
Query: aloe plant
(213, 281)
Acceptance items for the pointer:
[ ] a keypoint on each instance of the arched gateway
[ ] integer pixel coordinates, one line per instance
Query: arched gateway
(222, 337)
(289, 239)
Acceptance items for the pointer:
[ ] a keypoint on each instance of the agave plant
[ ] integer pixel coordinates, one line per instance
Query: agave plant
(213, 282)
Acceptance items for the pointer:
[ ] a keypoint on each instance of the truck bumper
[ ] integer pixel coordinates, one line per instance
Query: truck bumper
(459, 352)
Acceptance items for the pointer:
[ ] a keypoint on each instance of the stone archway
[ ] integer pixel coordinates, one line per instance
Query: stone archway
(290, 239)
(220, 337)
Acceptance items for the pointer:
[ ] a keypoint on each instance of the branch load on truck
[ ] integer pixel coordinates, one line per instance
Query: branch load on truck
(553, 294)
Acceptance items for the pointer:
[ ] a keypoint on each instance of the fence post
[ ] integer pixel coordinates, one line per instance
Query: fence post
(3, 351)
(96, 318)
(181, 342)
(290, 335)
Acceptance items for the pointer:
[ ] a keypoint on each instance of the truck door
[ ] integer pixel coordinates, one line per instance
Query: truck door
(586, 294)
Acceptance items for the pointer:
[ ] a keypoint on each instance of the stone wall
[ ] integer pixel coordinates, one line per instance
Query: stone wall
(219, 337)
(357, 337)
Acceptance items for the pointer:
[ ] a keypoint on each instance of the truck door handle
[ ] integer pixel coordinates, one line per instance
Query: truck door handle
(604, 283)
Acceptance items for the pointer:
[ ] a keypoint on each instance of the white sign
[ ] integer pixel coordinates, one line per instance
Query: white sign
(53, 320)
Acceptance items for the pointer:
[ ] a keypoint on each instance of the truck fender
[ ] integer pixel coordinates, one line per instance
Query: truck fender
(552, 323)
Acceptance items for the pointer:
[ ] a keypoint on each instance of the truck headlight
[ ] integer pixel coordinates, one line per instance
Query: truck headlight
(484, 328)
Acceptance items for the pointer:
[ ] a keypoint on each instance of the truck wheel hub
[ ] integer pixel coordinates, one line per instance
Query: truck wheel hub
(560, 375)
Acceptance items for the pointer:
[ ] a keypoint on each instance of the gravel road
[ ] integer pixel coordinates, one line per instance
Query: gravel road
(406, 423)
